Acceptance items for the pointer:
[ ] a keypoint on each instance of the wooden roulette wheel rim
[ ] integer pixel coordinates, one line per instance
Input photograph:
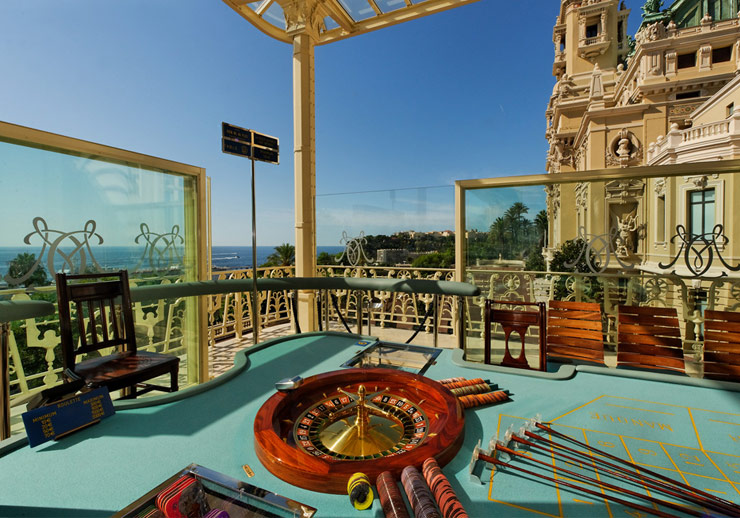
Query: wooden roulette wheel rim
(313, 465)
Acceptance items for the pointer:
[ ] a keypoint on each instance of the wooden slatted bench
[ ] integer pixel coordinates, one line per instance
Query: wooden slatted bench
(722, 345)
(574, 332)
(650, 338)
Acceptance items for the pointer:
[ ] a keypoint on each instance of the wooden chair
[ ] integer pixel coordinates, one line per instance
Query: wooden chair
(649, 338)
(574, 332)
(104, 319)
(512, 320)
(722, 345)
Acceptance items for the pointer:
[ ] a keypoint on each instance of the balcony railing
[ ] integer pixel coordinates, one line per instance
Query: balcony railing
(159, 328)
(163, 316)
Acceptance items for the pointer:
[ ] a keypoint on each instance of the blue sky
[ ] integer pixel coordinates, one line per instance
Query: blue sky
(456, 95)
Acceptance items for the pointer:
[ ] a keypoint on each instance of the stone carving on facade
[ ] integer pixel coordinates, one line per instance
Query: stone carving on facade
(627, 228)
(653, 32)
(700, 182)
(659, 186)
(552, 199)
(653, 64)
(561, 153)
(705, 57)
(624, 150)
(581, 191)
(596, 87)
(579, 158)
(624, 190)
(671, 59)
(564, 87)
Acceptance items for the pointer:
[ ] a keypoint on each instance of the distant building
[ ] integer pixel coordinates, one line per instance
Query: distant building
(667, 97)
(391, 256)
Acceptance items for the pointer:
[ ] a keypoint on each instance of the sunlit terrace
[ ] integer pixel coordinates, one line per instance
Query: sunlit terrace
(655, 237)
(563, 345)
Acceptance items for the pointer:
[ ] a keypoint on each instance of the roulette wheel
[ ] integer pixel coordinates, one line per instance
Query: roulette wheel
(356, 420)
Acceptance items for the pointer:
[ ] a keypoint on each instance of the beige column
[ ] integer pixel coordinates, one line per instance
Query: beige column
(304, 114)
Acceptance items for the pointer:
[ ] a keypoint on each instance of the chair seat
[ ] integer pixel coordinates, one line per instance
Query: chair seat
(121, 370)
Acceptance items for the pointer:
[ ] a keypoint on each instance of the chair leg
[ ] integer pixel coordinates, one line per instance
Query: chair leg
(173, 379)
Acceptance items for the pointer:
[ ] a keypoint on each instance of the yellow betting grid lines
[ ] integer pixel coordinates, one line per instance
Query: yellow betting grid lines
(723, 422)
(598, 475)
(622, 438)
(578, 408)
(632, 460)
(640, 409)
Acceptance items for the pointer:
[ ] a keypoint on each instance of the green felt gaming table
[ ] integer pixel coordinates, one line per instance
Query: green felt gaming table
(684, 428)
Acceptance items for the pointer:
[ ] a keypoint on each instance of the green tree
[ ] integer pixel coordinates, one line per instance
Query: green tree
(284, 255)
(574, 256)
(444, 259)
(326, 258)
(21, 265)
(541, 223)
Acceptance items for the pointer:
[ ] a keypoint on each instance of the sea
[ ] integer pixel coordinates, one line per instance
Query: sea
(135, 258)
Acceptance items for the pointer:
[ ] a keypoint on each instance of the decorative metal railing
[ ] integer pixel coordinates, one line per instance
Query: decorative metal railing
(689, 296)
(229, 316)
(389, 309)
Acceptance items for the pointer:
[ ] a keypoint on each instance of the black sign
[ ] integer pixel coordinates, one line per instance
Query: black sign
(238, 141)
(51, 421)
(235, 132)
(266, 155)
(234, 147)
(266, 141)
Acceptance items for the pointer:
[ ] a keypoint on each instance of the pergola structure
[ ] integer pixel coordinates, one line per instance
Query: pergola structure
(305, 24)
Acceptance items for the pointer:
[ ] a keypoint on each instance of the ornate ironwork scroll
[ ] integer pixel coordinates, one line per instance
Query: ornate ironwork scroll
(698, 250)
(161, 250)
(80, 240)
(603, 246)
(353, 248)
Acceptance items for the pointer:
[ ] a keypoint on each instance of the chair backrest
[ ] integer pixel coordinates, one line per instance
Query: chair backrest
(103, 313)
(574, 331)
(722, 345)
(649, 338)
(514, 321)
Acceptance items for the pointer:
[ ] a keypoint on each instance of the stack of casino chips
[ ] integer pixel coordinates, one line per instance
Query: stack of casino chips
(390, 496)
(475, 392)
(185, 498)
(427, 499)
(420, 498)
(446, 498)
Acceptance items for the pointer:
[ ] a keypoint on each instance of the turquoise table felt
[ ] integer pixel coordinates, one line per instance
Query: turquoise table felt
(689, 432)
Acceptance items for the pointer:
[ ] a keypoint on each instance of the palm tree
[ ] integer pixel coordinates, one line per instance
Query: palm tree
(498, 234)
(284, 255)
(518, 225)
(541, 223)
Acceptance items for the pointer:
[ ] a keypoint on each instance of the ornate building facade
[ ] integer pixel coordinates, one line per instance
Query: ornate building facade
(665, 97)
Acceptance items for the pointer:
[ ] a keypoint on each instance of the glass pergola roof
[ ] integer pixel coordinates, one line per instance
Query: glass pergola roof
(339, 18)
